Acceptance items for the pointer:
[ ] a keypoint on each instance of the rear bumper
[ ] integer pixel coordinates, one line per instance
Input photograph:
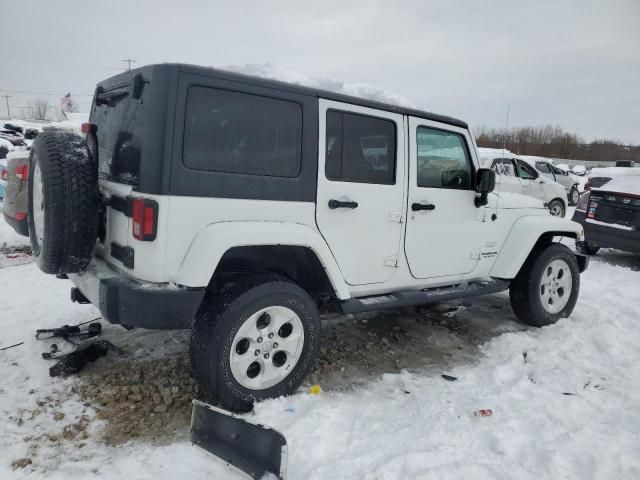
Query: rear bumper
(127, 302)
(610, 237)
(20, 226)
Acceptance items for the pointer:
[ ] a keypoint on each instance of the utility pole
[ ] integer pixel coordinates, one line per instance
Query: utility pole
(7, 97)
(129, 61)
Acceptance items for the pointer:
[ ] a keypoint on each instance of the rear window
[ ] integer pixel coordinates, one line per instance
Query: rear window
(119, 121)
(241, 133)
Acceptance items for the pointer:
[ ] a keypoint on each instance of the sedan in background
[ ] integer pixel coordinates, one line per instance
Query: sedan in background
(14, 203)
(610, 214)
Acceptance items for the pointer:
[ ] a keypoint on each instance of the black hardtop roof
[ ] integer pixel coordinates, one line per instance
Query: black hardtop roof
(295, 88)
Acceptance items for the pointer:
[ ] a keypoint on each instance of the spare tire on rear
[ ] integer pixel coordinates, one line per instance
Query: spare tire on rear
(63, 202)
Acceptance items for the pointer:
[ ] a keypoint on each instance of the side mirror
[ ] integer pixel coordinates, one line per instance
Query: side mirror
(485, 183)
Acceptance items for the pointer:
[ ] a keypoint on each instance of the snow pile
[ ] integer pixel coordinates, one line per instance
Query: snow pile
(613, 172)
(362, 90)
(73, 124)
(623, 184)
(9, 238)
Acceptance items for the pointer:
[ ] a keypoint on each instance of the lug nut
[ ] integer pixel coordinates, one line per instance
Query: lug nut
(259, 339)
(271, 335)
(257, 352)
(275, 345)
(266, 356)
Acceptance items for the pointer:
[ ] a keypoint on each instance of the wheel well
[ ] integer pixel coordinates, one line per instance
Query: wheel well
(299, 264)
(544, 241)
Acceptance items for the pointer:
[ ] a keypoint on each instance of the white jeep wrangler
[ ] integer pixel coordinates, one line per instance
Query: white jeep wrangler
(238, 206)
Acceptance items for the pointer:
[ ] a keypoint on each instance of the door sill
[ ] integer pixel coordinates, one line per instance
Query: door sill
(407, 298)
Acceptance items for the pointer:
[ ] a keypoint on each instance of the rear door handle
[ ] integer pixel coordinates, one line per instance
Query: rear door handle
(422, 206)
(333, 204)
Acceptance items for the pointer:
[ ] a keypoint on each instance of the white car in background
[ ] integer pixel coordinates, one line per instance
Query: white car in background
(513, 174)
(579, 170)
(557, 173)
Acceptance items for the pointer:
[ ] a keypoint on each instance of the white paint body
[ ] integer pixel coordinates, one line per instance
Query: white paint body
(382, 246)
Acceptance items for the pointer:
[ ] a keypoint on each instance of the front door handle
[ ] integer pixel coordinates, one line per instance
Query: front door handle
(333, 204)
(422, 206)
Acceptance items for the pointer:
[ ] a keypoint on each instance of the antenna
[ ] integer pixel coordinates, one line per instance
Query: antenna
(504, 144)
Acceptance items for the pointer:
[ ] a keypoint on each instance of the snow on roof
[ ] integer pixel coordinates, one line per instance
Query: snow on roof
(622, 184)
(362, 90)
(613, 172)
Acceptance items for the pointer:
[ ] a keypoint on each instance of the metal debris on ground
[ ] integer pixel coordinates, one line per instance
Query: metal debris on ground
(11, 346)
(449, 378)
(485, 412)
(254, 449)
(67, 332)
(75, 361)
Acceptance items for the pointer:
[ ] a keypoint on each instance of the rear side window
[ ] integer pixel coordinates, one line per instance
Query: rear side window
(360, 148)
(504, 166)
(241, 133)
(443, 159)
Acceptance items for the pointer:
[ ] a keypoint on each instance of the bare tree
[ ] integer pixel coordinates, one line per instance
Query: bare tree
(38, 109)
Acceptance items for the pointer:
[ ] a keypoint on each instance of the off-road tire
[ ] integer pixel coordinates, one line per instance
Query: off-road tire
(524, 289)
(560, 205)
(69, 202)
(574, 196)
(217, 323)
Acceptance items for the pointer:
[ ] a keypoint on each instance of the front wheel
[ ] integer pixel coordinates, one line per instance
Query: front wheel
(258, 339)
(556, 207)
(547, 286)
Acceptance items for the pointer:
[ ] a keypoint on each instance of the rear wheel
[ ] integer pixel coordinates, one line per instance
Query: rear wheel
(574, 196)
(547, 286)
(256, 340)
(556, 207)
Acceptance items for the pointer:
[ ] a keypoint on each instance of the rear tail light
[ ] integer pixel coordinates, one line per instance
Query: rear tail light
(584, 202)
(20, 216)
(4, 175)
(89, 127)
(22, 172)
(144, 213)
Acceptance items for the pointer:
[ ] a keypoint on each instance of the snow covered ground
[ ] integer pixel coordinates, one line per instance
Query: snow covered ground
(565, 398)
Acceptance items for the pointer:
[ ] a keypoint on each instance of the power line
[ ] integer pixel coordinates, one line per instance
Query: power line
(26, 92)
(59, 64)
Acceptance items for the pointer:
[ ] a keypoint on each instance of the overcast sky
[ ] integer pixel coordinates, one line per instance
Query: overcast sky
(572, 63)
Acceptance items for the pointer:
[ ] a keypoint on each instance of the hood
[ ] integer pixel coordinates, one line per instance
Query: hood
(509, 200)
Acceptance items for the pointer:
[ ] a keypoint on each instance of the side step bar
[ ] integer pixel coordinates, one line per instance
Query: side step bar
(407, 298)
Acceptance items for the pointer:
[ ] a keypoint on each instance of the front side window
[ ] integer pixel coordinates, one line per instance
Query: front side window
(504, 166)
(236, 132)
(525, 171)
(360, 148)
(543, 167)
(443, 159)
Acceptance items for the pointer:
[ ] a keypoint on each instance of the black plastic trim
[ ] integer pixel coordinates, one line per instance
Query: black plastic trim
(124, 254)
(120, 204)
(608, 237)
(129, 303)
(407, 298)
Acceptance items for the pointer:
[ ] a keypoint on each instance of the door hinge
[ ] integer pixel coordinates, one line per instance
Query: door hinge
(395, 217)
(391, 261)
